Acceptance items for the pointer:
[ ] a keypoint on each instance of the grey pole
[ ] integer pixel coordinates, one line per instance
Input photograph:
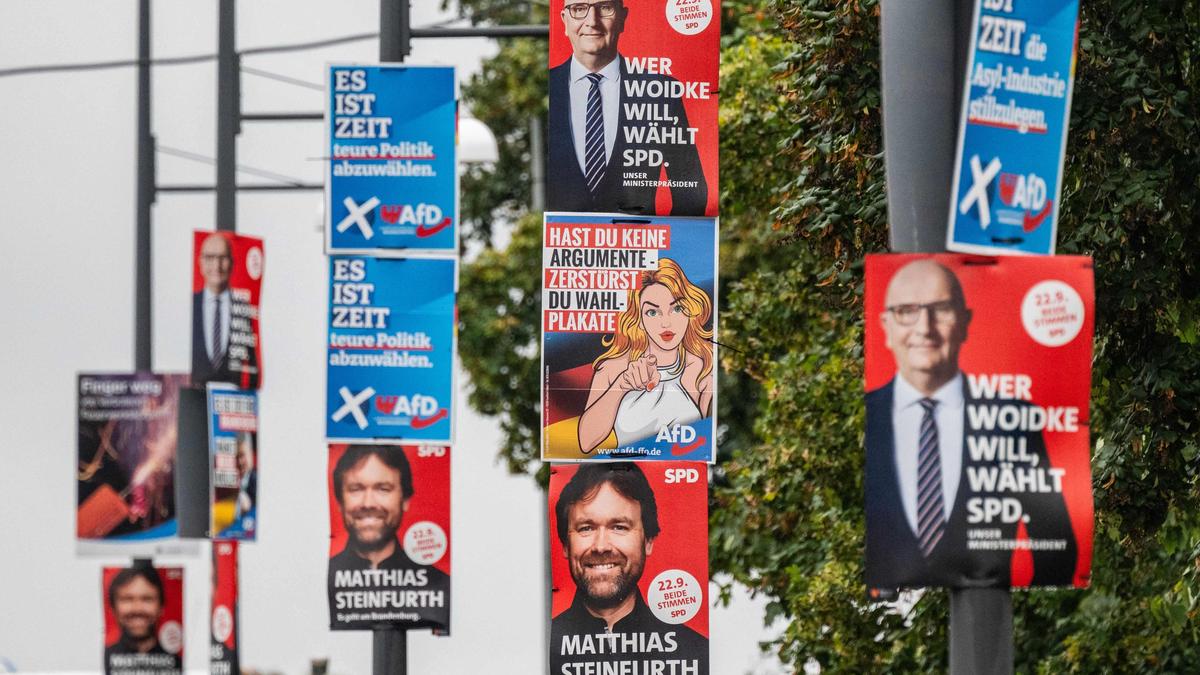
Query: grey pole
(389, 651)
(924, 46)
(537, 166)
(228, 108)
(395, 32)
(142, 346)
(390, 646)
(920, 119)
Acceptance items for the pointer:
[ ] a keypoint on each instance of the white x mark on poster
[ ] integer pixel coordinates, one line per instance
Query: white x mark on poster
(353, 405)
(356, 216)
(980, 178)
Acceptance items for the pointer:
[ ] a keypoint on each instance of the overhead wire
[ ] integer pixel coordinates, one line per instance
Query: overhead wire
(197, 157)
(199, 58)
(282, 78)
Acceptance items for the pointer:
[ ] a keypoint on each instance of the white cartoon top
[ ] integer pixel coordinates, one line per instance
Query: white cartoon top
(642, 414)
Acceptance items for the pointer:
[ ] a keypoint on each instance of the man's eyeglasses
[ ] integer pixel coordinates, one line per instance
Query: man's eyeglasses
(944, 311)
(606, 9)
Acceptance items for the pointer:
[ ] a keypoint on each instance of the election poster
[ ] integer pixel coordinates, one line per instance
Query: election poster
(223, 626)
(1012, 135)
(629, 360)
(143, 620)
(629, 568)
(226, 282)
(233, 453)
(126, 442)
(978, 371)
(633, 107)
(389, 546)
(391, 347)
(392, 184)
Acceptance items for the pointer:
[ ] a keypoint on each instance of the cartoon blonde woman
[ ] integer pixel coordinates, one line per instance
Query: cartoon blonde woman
(657, 369)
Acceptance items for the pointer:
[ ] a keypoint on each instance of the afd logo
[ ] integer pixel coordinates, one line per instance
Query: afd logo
(428, 218)
(1027, 193)
(423, 410)
(682, 438)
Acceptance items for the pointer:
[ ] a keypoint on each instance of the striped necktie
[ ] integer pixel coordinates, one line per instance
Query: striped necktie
(594, 159)
(931, 518)
(217, 342)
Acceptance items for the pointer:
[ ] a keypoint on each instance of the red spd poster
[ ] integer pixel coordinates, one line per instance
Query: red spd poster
(978, 372)
(143, 620)
(226, 280)
(633, 106)
(223, 629)
(629, 567)
(389, 547)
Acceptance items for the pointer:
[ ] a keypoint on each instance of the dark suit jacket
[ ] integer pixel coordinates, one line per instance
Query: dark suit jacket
(689, 646)
(157, 660)
(894, 558)
(566, 188)
(202, 369)
(437, 581)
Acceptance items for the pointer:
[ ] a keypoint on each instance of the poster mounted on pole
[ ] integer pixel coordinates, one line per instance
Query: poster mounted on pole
(390, 365)
(223, 629)
(629, 567)
(233, 453)
(633, 106)
(1012, 135)
(226, 286)
(978, 372)
(629, 354)
(389, 546)
(143, 620)
(128, 431)
(392, 184)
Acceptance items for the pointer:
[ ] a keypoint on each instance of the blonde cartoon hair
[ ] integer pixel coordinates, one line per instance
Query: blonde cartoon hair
(630, 339)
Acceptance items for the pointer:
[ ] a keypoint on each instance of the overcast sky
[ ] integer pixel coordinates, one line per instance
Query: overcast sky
(67, 170)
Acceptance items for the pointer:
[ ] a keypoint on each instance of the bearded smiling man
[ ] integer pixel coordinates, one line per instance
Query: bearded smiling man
(136, 598)
(373, 487)
(607, 521)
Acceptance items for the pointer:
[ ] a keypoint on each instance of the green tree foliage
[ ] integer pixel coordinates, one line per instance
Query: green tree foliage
(790, 522)
(802, 203)
(507, 95)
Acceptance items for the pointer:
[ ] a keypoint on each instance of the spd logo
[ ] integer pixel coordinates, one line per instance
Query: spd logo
(1028, 195)
(422, 410)
(427, 218)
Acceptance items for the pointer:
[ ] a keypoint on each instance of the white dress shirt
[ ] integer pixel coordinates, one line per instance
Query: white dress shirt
(610, 101)
(210, 306)
(907, 414)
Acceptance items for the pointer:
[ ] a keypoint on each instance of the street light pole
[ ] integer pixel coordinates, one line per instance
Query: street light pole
(389, 655)
(924, 45)
(142, 329)
(228, 109)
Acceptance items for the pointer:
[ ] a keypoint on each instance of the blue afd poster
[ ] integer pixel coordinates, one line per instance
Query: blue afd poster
(233, 453)
(1013, 127)
(391, 349)
(392, 182)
